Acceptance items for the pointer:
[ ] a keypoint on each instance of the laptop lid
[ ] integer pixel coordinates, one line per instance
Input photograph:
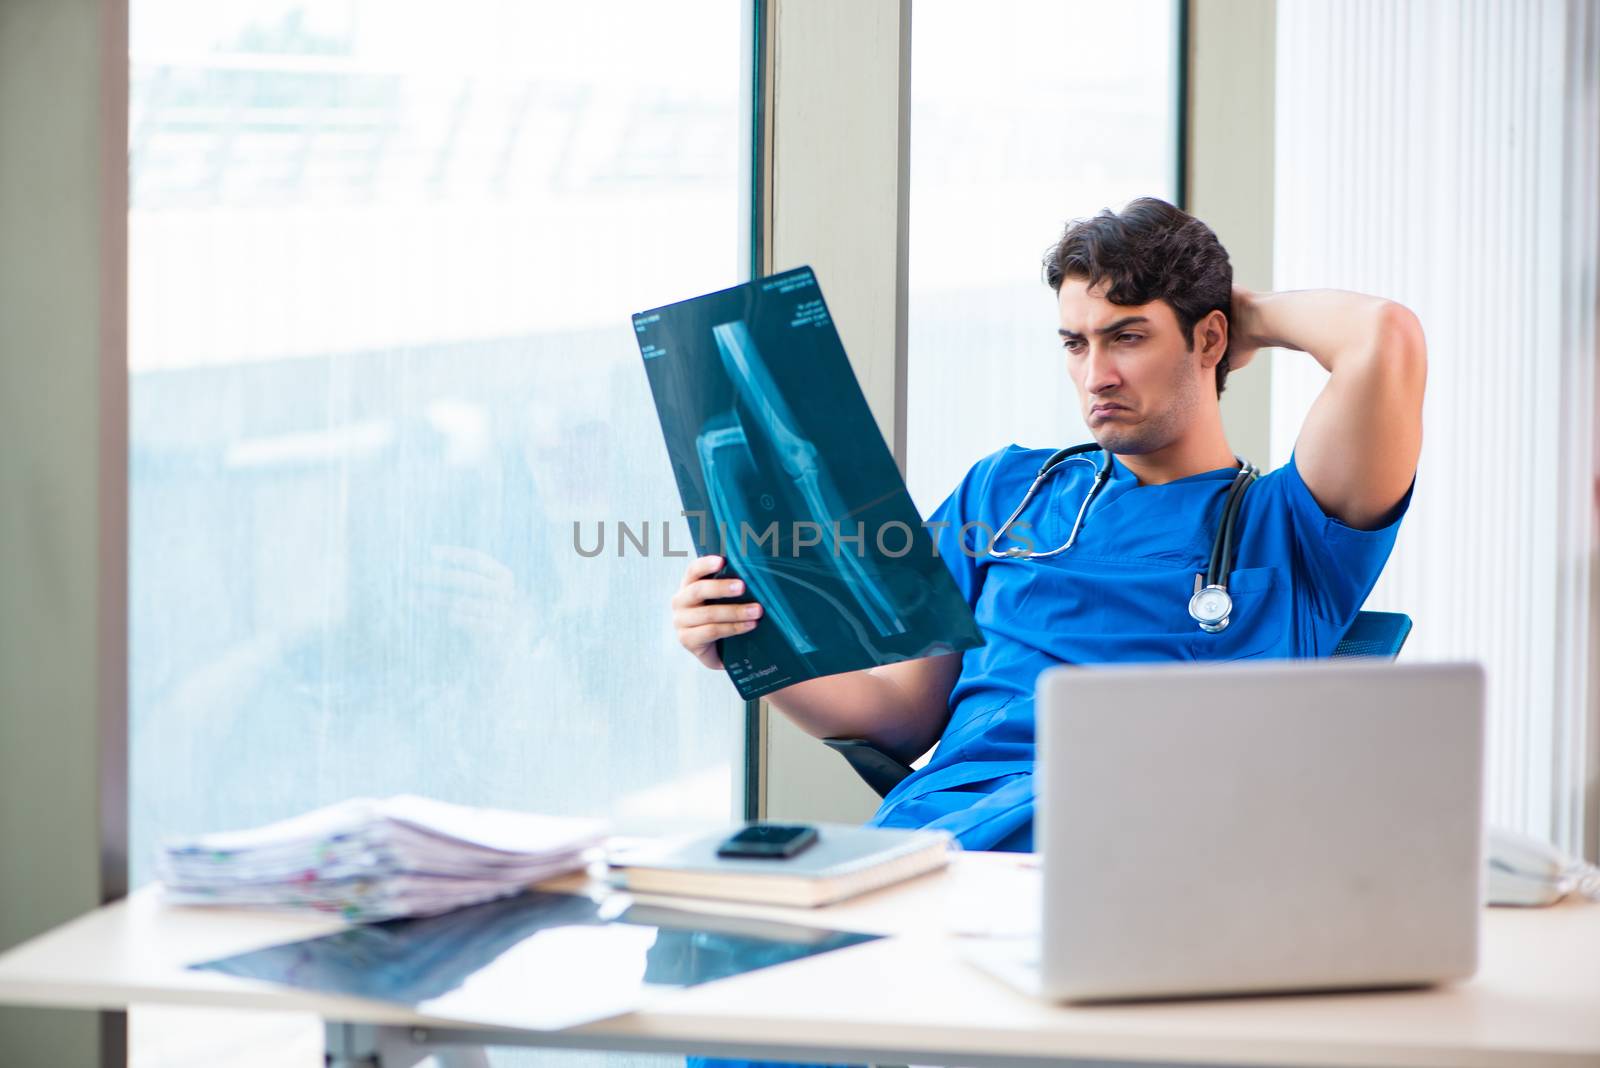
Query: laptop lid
(1250, 827)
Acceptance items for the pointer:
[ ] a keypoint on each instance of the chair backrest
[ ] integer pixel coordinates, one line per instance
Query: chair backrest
(1375, 634)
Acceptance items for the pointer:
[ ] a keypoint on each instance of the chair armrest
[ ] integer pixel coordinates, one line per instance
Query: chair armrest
(878, 769)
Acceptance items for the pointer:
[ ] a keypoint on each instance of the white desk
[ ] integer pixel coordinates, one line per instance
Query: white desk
(905, 999)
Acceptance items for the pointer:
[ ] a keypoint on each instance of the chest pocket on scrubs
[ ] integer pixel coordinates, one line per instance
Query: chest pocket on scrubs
(1260, 620)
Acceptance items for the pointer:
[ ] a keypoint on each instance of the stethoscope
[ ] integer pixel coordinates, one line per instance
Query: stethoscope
(1211, 605)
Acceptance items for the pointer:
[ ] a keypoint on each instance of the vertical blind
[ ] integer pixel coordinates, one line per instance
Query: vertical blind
(1444, 154)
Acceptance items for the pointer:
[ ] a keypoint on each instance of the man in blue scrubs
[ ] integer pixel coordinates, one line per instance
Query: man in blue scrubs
(1150, 326)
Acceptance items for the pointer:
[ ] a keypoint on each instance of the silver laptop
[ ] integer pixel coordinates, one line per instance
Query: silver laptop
(1291, 825)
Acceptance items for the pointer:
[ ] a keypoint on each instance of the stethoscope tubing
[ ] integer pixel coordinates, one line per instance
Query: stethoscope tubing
(1045, 471)
(1220, 565)
(1218, 568)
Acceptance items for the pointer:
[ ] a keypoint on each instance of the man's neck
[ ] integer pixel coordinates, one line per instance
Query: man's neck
(1190, 455)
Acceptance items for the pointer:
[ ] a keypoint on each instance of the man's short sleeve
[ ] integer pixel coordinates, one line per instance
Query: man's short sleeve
(1339, 563)
(962, 552)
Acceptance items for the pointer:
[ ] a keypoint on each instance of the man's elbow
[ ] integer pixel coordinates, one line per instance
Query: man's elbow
(1400, 350)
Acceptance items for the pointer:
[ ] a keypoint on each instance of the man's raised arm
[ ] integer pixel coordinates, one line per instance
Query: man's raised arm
(1358, 448)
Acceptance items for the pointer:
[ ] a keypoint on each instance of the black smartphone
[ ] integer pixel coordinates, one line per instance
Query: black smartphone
(771, 840)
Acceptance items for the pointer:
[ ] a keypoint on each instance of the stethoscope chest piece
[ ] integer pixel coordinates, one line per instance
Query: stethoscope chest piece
(1210, 607)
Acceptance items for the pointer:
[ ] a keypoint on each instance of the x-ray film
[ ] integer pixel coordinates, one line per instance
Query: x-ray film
(537, 960)
(784, 473)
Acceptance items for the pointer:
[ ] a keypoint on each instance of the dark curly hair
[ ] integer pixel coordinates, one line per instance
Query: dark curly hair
(1150, 251)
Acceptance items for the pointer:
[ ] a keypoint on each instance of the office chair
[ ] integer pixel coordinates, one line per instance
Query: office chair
(1379, 634)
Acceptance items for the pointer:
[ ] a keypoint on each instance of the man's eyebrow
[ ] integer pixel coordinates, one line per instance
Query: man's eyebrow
(1110, 328)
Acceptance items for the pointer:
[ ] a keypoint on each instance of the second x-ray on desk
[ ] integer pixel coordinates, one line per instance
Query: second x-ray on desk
(784, 473)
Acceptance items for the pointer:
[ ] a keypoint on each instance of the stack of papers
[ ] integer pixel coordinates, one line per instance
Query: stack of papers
(370, 860)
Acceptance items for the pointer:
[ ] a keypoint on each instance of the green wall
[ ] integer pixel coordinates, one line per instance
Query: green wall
(62, 221)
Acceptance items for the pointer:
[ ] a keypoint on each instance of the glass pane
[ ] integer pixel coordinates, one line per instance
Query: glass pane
(383, 257)
(1037, 113)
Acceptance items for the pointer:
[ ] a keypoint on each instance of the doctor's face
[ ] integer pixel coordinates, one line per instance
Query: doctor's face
(1140, 385)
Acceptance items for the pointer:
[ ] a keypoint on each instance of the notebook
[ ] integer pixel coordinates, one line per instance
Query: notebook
(845, 861)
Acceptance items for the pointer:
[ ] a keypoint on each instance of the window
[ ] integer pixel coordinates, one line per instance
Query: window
(382, 262)
(1034, 114)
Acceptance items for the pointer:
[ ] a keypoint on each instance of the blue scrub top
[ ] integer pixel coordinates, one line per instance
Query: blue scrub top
(1119, 595)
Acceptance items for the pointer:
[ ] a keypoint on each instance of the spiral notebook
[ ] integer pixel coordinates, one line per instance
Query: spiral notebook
(845, 861)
